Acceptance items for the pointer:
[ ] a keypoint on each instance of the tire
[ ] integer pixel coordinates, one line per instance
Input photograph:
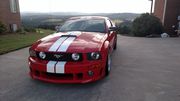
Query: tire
(108, 65)
(115, 45)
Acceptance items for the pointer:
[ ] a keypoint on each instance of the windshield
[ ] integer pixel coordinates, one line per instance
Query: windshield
(86, 25)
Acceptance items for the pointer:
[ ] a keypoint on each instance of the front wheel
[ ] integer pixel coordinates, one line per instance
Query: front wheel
(115, 45)
(108, 65)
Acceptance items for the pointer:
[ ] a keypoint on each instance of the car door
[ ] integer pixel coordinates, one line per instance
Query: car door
(111, 34)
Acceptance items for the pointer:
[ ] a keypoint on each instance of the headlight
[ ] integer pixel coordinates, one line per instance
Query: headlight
(75, 56)
(42, 55)
(32, 53)
(94, 56)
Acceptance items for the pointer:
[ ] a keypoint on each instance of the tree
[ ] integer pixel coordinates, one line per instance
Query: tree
(146, 25)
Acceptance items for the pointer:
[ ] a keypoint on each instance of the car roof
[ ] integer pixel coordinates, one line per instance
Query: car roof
(88, 17)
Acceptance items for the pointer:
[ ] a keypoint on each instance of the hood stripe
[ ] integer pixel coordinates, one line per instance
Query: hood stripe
(66, 44)
(50, 66)
(61, 45)
(56, 44)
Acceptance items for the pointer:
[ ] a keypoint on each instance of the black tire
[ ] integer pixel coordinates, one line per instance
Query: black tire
(115, 46)
(108, 65)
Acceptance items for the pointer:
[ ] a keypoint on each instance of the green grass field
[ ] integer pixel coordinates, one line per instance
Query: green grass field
(14, 41)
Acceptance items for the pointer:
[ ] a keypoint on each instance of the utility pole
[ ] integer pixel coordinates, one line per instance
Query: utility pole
(151, 11)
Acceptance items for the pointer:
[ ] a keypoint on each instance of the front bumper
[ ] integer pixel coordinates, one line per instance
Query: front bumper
(75, 72)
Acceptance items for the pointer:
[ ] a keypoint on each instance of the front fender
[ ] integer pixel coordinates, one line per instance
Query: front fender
(105, 49)
(106, 45)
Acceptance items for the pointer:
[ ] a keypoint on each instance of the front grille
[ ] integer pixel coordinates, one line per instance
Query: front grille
(59, 76)
(58, 56)
(55, 76)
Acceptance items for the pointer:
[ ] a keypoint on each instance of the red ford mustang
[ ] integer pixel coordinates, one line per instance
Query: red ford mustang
(78, 53)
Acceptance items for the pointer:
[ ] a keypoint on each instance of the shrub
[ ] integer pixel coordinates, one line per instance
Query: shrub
(21, 31)
(146, 25)
(2, 28)
(124, 30)
(125, 27)
(29, 29)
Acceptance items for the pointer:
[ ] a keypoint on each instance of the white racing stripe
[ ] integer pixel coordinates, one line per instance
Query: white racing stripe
(60, 67)
(61, 45)
(56, 44)
(50, 66)
(64, 46)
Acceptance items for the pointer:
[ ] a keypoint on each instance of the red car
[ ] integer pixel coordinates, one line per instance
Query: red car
(78, 53)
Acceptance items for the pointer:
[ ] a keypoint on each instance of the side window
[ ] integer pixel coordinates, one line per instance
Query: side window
(108, 22)
(113, 24)
(13, 6)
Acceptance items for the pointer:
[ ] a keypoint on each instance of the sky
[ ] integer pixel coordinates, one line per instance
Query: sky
(86, 6)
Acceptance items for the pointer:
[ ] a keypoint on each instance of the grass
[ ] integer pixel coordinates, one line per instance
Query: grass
(14, 41)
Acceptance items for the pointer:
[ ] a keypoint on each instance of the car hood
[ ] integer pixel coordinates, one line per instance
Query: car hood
(71, 42)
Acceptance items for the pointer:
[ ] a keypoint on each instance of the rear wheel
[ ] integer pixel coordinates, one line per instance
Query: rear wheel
(108, 65)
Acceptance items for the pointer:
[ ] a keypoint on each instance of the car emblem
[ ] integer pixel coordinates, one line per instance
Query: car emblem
(58, 55)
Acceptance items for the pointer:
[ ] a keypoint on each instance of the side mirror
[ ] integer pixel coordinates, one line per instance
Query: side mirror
(113, 29)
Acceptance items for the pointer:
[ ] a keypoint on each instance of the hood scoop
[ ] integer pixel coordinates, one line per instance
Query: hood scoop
(68, 36)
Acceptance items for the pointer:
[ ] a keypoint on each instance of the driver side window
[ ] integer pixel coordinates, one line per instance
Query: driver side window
(109, 24)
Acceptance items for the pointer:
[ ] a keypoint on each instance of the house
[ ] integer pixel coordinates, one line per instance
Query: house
(10, 14)
(168, 11)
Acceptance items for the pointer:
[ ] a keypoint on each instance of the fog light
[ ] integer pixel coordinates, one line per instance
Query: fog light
(90, 73)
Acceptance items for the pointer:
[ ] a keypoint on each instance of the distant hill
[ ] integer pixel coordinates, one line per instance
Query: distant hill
(31, 19)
